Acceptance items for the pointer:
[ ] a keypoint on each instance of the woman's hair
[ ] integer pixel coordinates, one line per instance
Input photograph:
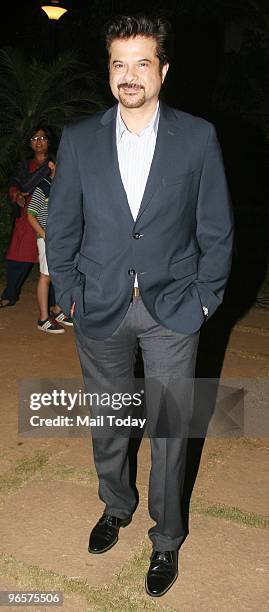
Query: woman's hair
(52, 144)
(128, 26)
(45, 129)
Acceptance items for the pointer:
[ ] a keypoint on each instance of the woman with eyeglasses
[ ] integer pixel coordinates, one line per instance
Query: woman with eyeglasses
(22, 251)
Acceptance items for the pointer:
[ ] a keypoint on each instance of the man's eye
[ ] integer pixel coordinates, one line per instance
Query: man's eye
(142, 64)
(118, 66)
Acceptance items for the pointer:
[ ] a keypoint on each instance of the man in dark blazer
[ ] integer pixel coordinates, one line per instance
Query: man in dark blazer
(139, 247)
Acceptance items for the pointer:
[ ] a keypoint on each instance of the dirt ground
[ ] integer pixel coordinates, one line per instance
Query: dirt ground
(49, 501)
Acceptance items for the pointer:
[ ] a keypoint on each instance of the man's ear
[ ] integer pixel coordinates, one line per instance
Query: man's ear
(165, 69)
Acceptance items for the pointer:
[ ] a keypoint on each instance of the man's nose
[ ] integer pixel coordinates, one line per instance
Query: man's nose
(130, 73)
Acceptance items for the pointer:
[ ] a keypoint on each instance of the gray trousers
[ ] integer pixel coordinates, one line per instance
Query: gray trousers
(169, 360)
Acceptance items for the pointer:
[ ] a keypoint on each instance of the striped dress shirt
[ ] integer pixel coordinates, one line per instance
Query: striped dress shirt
(135, 154)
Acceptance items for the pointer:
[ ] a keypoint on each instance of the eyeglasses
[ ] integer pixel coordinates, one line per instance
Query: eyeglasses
(37, 138)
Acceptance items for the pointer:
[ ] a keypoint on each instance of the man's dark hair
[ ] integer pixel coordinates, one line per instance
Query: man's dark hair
(128, 26)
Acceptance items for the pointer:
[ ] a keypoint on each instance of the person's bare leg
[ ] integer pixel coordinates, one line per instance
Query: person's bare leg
(42, 295)
(55, 309)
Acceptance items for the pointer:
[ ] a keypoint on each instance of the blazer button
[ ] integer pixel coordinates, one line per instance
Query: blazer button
(131, 272)
(137, 235)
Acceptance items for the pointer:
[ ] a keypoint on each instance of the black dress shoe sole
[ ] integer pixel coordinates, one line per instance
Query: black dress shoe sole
(162, 592)
(103, 550)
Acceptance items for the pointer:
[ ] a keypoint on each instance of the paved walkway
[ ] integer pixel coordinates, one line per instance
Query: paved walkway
(49, 503)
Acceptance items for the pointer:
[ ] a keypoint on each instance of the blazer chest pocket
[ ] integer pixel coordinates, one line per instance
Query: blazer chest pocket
(88, 266)
(177, 179)
(185, 267)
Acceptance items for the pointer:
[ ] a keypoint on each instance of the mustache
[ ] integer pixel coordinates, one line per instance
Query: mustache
(130, 86)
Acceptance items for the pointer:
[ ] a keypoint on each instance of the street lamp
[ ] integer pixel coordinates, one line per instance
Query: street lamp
(54, 9)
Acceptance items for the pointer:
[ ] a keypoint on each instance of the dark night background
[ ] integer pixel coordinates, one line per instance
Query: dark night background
(219, 72)
(208, 35)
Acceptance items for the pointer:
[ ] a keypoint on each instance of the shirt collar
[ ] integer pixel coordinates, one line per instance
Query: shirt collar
(153, 123)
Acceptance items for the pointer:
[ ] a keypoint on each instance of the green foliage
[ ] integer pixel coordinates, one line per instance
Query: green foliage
(33, 92)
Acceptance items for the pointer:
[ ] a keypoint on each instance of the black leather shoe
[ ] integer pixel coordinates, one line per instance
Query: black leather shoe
(162, 572)
(105, 533)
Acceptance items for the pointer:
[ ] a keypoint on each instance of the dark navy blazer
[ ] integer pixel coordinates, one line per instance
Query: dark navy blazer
(180, 245)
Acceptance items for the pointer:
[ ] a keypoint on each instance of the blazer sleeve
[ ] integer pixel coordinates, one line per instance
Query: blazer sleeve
(214, 227)
(65, 225)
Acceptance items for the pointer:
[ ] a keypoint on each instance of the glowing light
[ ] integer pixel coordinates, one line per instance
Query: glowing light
(54, 10)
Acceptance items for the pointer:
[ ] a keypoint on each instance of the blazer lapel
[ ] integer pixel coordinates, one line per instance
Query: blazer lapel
(109, 165)
(166, 148)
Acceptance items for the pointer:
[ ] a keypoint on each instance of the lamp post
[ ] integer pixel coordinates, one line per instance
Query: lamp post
(54, 9)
